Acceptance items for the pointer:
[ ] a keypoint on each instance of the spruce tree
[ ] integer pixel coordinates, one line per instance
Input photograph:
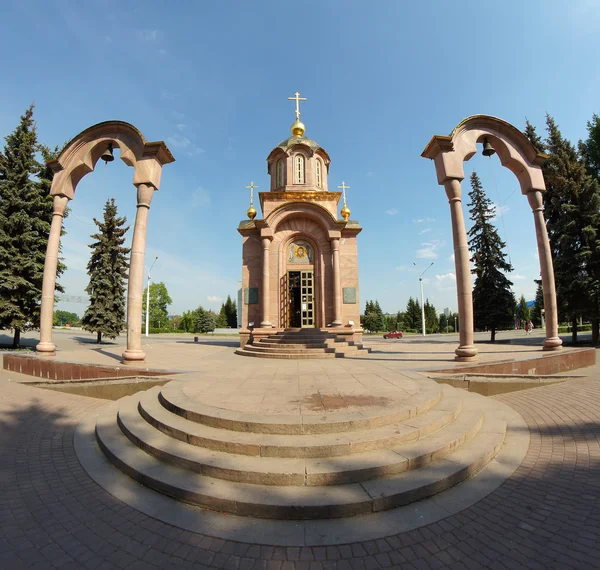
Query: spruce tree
(590, 154)
(493, 300)
(432, 323)
(25, 218)
(536, 311)
(572, 209)
(107, 269)
(230, 313)
(412, 316)
(523, 311)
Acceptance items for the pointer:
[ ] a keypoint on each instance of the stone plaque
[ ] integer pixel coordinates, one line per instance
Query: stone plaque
(349, 295)
(251, 295)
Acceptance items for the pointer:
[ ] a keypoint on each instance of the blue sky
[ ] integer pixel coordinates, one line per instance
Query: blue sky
(212, 80)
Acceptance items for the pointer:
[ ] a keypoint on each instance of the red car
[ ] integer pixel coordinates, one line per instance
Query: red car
(393, 334)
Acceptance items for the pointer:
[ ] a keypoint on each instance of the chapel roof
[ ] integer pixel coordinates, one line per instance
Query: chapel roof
(288, 143)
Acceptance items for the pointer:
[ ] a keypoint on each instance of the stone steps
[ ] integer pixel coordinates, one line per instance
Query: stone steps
(311, 472)
(429, 466)
(425, 395)
(303, 344)
(305, 446)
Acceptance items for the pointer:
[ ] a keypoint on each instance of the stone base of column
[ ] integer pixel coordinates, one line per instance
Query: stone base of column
(46, 348)
(266, 324)
(337, 323)
(133, 356)
(552, 343)
(466, 353)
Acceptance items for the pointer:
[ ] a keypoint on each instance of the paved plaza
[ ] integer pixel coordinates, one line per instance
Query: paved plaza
(52, 514)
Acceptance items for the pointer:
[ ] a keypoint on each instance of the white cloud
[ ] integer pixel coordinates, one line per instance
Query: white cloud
(517, 277)
(421, 220)
(147, 36)
(181, 126)
(426, 230)
(451, 258)
(200, 198)
(179, 141)
(429, 249)
(392, 212)
(446, 278)
(213, 299)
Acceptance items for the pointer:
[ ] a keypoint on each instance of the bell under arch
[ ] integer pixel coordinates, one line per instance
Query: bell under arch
(518, 155)
(78, 158)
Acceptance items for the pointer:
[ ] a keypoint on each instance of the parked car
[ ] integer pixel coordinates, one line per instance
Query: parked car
(393, 334)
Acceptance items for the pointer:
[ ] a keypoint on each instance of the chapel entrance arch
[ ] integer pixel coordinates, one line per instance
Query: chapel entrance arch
(518, 155)
(77, 159)
(300, 286)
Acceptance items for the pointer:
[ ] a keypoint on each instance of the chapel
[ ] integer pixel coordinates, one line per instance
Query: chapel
(300, 260)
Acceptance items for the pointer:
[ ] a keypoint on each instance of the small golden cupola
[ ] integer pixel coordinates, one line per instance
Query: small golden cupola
(298, 164)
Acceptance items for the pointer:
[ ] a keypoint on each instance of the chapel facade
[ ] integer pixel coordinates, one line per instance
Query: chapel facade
(300, 260)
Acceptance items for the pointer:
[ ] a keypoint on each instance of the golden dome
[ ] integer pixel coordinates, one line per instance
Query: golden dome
(345, 212)
(298, 128)
(251, 213)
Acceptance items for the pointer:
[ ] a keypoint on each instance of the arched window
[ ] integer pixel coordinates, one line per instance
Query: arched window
(319, 175)
(279, 174)
(299, 169)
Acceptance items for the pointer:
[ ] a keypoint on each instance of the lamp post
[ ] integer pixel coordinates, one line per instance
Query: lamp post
(148, 295)
(422, 301)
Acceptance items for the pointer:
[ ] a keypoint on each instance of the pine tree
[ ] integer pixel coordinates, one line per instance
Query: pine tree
(432, 323)
(379, 320)
(107, 269)
(493, 300)
(536, 311)
(25, 217)
(523, 311)
(230, 313)
(590, 154)
(412, 315)
(572, 209)
(222, 318)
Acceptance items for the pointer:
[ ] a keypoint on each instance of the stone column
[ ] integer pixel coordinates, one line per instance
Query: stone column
(266, 290)
(135, 288)
(552, 341)
(466, 350)
(337, 287)
(45, 345)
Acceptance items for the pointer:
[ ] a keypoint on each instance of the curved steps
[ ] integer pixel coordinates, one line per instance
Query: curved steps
(331, 474)
(303, 344)
(424, 396)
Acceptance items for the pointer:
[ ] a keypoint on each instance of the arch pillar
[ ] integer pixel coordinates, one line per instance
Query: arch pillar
(46, 346)
(466, 350)
(135, 285)
(552, 340)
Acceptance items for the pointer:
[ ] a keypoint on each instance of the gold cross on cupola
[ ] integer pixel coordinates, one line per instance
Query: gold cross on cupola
(297, 98)
(251, 210)
(345, 212)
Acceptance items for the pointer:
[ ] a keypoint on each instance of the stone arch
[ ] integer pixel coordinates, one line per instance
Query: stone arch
(77, 159)
(309, 210)
(518, 155)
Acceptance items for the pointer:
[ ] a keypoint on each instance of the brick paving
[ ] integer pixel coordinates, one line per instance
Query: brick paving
(547, 515)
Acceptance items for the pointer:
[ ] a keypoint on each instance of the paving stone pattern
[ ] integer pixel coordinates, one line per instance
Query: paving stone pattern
(547, 515)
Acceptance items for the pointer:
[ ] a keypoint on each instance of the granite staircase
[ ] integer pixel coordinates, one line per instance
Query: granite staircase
(303, 344)
(305, 466)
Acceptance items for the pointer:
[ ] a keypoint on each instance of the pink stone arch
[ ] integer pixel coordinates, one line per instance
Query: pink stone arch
(77, 159)
(518, 155)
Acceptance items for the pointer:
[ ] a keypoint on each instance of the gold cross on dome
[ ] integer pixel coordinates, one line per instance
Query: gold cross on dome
(297, 98)
(344, 188)
(251, 187)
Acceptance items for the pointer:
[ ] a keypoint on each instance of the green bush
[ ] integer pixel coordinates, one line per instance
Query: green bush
(580, 328)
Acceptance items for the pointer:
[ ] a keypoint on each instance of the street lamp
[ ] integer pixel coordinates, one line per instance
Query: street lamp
(422, 302)
(148, 295)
